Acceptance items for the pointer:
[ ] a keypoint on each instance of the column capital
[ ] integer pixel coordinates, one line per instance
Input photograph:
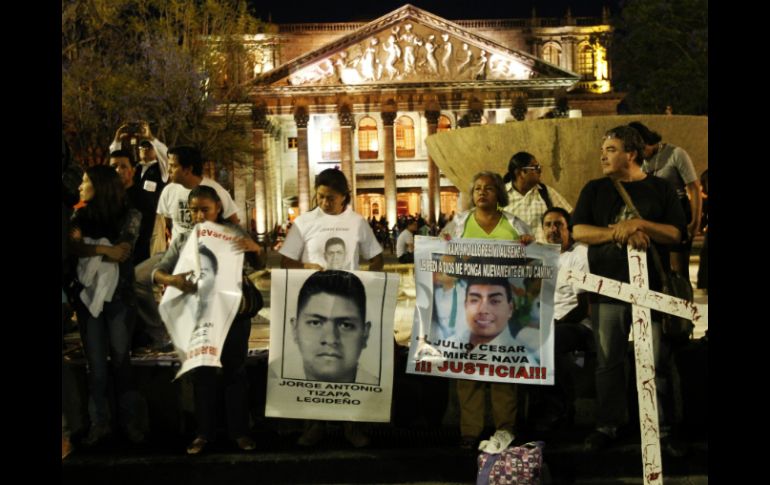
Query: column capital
(432, 116)
(345, 116)
(519, 109)
(259, 117)
(301, 117)
(388, 117)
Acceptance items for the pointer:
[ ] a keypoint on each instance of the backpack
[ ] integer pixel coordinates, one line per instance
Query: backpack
(515, 465)
(543, 190)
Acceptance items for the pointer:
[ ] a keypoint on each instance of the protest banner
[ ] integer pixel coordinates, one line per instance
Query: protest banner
(198, 322)
(331, 345)
(484, 310)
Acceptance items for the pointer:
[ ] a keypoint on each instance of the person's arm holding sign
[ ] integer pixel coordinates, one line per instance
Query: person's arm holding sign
(162, 273)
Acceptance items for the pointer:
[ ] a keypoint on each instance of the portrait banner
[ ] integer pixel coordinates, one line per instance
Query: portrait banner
(331, 345)
(198, 322)
(484, 310)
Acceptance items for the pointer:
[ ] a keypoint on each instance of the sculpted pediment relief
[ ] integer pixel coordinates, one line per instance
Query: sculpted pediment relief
(409, 46)
(410, 52)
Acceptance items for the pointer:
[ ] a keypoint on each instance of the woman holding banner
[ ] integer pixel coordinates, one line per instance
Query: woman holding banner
(205, 205)
(333, 219)
(486, 220)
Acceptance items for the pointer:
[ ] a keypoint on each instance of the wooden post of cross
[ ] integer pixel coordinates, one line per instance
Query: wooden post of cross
(642, 299)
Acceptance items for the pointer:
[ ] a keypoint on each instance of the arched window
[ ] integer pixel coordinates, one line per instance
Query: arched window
(552, 53)
(405, 137)
(368, 144)
(444, 124)
(330, 141)
(586, 60)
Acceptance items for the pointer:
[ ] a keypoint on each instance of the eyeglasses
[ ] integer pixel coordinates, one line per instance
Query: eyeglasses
(535, 168)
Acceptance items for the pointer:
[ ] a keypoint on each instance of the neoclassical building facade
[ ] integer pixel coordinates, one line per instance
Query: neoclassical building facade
(364, 96)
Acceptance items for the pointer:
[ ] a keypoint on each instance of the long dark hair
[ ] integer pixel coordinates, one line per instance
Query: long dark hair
(103, 215)
(517, 162)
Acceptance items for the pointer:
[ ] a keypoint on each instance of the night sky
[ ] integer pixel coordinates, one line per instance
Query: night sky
(287, 11)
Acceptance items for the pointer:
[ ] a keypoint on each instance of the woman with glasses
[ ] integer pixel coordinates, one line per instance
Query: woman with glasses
(528, 197)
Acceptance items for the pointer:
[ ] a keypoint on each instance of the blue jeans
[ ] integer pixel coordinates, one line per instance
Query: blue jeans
(109, 334)
(611, 323)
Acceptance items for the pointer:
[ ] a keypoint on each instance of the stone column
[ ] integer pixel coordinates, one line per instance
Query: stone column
(260, 123)
(434, 178)
(269, 176)
(346, 149)
(569, 53)
(389, 168)
(239, 193)
(301, 117)
(279, 213)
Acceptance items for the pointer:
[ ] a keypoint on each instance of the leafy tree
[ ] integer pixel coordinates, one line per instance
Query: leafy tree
(659, 55)
(170, 62)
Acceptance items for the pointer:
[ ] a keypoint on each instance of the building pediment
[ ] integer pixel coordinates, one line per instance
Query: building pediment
(410, 46)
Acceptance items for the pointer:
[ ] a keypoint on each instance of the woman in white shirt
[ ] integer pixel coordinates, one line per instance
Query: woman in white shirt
(349, 237)
(305, 244)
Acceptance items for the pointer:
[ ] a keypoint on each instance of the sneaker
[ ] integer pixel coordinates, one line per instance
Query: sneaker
(66, 447)
(142, 351)
(165, 349)
(97, 434)
(245, 443)
(313, 434)
(197, 445)
(672, 447)
(597, 441)
(497, 442)
(355, 435)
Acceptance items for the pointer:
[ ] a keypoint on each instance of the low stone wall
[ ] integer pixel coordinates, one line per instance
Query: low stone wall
(568, 148)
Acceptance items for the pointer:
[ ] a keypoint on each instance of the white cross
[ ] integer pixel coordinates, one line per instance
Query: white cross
(642, 300)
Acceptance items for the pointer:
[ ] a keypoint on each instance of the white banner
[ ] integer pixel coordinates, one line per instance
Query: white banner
(331, 345)
(198, 322)
(484, 310)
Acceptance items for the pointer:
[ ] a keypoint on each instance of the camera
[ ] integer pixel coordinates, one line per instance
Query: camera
(133, 128)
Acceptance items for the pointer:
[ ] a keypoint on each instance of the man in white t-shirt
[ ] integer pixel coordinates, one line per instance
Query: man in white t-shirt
(405, 243)
(185, 173)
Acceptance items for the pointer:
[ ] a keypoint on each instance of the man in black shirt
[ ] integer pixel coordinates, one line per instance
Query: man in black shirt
(603, 221)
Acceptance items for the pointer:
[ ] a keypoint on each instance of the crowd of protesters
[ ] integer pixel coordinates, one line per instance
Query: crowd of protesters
(125, 233)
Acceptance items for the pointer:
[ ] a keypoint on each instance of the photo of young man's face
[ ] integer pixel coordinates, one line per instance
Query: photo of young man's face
(487, 310)
(335, 254)
(331, 335)
(207, 278)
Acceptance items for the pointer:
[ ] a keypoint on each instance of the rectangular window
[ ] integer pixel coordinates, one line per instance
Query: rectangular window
(367, 144)
(291, 142)
(330, 145)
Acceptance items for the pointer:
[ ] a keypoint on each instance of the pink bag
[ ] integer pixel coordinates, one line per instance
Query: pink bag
(519, 465)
